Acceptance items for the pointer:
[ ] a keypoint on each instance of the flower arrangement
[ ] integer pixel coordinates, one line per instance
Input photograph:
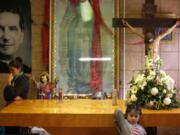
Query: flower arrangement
(152, 87)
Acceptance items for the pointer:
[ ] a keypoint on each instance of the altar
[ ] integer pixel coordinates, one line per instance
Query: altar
(78, 116)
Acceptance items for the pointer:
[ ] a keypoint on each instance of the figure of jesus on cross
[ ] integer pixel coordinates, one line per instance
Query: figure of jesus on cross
(150, 39)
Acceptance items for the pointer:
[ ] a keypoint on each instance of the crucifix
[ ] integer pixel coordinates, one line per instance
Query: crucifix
(149, 23)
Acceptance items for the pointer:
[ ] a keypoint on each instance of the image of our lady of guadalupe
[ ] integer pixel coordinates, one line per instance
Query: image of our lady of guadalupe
(80, 38)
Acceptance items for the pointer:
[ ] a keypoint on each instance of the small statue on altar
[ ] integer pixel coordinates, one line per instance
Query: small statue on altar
(44, 86)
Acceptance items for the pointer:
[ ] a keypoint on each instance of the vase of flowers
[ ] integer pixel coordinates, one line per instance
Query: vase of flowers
(152, 87)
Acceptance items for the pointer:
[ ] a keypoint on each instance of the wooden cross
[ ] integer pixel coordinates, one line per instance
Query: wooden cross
(149, 22)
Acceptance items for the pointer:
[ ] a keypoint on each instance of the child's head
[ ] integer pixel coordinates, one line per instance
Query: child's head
(133, 113)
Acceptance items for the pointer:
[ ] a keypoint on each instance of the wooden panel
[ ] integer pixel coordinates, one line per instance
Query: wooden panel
(69, 113)
(78, 113)
(140, 22)
(37, 7)
(79, 117)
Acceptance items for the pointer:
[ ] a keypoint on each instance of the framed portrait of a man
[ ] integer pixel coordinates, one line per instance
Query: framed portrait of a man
(15, 33)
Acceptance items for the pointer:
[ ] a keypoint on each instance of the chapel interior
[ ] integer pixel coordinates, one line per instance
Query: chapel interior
(128, 49)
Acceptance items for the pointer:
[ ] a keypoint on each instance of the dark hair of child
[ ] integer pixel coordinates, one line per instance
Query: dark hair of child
(133, 107)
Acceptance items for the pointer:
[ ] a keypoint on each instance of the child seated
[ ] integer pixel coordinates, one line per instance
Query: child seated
(128, 125)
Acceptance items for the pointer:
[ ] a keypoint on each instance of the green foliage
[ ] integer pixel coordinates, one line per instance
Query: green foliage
(153, 88)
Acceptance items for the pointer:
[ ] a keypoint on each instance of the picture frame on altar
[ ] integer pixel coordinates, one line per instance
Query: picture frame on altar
(81, 52)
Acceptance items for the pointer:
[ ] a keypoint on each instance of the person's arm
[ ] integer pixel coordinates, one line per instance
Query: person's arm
(161, 36)
(9, 79)
(8, 90)
(121, 124)
(125, 23)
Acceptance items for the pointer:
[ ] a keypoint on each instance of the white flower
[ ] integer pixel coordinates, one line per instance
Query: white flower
(162, 73)
(154, 91)
(139, 78)
(167, 101)
(164, 91)
(142, 84)
(133, 97)
(158, 60)
(169, 82)
(170, 95)
(151, 75)
(173, 91)
(134, 89)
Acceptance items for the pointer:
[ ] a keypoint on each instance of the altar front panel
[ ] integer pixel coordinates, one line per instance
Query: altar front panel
(78, 113)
